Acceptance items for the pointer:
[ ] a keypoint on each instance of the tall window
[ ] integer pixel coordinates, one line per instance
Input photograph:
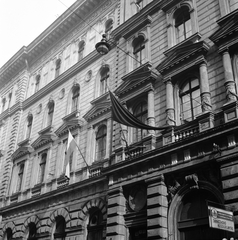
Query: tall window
(65, 143)
(10, 99)
(31, 231)
(101, 142)
(3, 104)
(140, 112)
(190, 100)
(43, 158)
(51, 107)
(57, 68)
(139, 51)
(20, 177)
(59, 233)
(81, 50)
(192, 221)
(29, 125)
(75, 98)
(104, 80)
(8, 234)
(37, 85)
(182, 24)
(108, 27)
(95, 226)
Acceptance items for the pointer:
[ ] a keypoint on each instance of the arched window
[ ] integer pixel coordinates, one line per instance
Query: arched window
(140, 112)
(57, 68)
(101, 142)
(51, 106)
(95, 225)
(29, 125)
(41, 175)
(139, 51)
(192, 217)
(37, 85)
(8, 234)
(31, 235)
(108, 27)
(81, 50)
(59, 233)
(190, 101)
(104, 80)
(182, 24)
(75, 98)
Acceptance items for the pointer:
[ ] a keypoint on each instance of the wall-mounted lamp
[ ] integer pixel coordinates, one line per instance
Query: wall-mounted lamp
(103, 47)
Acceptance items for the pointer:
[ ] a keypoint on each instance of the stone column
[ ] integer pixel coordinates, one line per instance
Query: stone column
(151, 110)
(229, 80)
(169, 103)
(157, 207)
(204, 87)
(116, 229)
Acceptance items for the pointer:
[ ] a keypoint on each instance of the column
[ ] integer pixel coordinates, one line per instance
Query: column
(157, 207)
(229, 81)
(169, 103)
(116, 229)
(204, 87)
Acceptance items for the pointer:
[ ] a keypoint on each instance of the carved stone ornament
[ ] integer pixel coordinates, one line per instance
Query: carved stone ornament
(62, 93)
(137, 198)
(88, 76)
(192, 181)
(39, 108)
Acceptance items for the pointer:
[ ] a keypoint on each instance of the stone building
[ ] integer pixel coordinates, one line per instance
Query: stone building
(171, 63)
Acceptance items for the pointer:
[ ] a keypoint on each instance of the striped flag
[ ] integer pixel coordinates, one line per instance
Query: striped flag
(71, 145)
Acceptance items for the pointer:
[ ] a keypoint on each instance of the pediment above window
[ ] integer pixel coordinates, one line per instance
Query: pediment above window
(46, 135)
(73, 115)
(25, 142)
(71, 124)
(22, 151)
(136, 79)
(226, 36)
(100, 107)
(182, 58)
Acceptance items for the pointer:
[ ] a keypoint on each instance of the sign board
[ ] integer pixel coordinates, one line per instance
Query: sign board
(221, 219)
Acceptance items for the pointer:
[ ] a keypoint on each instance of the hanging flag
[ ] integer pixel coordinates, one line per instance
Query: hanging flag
(121, 115)
(71, 145)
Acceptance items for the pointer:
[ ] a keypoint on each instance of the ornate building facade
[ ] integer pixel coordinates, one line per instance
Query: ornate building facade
(171, 63)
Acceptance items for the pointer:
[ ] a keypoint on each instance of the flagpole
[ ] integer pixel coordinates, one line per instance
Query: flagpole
(81, 153)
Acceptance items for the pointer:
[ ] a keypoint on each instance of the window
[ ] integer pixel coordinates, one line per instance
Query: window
(20, 177)
(29, 125)
(51, 106)
(192, 218)
(41, 175)
(182, 24)
(95, 226)
(108, 27)
(81, 50)
(104, 80)
(190, 101)
(3, 104)
(57, 68)
(8, 234)
(139, 51)
(75, 98)
(59, 228)
(37, 85)
(31, 231)
(65, 143)
(140, 112)
(101, 142)
(10, 99)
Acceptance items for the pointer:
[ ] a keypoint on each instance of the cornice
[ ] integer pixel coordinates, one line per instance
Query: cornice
(52, 194)
(137, 21)
(10, 111)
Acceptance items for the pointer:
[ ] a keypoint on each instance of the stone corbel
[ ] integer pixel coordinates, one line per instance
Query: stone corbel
(192, 181)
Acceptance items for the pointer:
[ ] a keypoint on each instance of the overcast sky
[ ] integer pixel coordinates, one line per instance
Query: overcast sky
(21, 21)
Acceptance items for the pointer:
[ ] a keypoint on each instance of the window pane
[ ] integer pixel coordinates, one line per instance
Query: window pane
(188, 28)
(194, 82)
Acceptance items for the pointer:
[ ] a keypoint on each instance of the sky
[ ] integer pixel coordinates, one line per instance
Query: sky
(21, 21)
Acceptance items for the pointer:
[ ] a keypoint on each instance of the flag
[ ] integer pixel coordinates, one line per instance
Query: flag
(71, 145)
(121, 115)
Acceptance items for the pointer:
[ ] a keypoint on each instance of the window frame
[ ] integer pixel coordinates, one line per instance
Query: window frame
(20, 173)
(104, 80)
(58, 64)
(29, 125)
(42, 166)
(101, 143)
(50, 113)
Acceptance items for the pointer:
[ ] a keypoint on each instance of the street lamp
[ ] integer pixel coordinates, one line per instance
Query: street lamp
(103, 47)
